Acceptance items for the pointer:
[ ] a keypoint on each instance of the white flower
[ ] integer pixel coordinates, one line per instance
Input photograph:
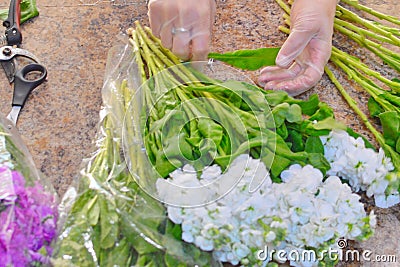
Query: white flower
(270, 237)
(203, 243)
(211, 172)
(300, 212)
(364, 168)
(383, 201)
(240, 250)
(175, 214)
(306, 178)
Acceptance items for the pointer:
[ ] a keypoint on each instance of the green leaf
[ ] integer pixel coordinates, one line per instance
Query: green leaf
(308, 107)
(210, 129)
(280, 112)
(328, 124)
(323, 112)
(296, 139)
(374, 108)
(275, 98)
(28, 11)
(314, 145)
(278, 165)
(391, 126)
(294, 113)
(109, 220)
(282, 131)
(93, 211)
(119, 255)
(173, 262)
(174, 229)
(319, 161)
(248, 59)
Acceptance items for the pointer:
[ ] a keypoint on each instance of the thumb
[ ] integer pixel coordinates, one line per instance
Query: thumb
(293, 46)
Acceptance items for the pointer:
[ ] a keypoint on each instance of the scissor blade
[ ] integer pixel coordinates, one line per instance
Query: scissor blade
(9, 69)
(13, 115)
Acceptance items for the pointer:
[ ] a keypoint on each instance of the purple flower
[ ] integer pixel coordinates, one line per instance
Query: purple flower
(28, 216)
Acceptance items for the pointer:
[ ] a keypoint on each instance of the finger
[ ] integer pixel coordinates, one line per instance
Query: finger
(292, 48)
(200, 48)
(181, 45)
(201, 41)
(299, 84)
(166, 35)
(269, 68)
(187, 19)
(155, 14)
(278, 74)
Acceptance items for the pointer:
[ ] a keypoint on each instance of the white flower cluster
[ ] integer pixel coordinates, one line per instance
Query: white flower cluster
(301, 212)
(362, 167)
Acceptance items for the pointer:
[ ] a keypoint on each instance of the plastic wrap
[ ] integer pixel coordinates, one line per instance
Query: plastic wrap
(174, 141)
(28, 204)
(107, 219)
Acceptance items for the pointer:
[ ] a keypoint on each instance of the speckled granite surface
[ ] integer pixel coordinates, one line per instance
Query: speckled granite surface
(72, 37)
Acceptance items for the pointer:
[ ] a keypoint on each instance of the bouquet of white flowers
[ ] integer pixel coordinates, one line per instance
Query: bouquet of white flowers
(203, 167)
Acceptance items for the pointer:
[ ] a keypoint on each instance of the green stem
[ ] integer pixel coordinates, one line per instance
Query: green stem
(363, 32)
(368, 86)
(372, 11)
(284, 6)
(364, 42)
(353, 104)
(161, 56)
(389, 56)
(394, 31)
(344, 57)
(345, 13)
(135, 43)
(284, 29)
(171, 59)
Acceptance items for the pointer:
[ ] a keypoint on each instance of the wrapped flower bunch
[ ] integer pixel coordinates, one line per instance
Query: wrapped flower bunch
(28, 205)
(203, 168)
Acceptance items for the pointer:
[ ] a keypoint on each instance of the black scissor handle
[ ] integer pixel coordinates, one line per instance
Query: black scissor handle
(23, 86)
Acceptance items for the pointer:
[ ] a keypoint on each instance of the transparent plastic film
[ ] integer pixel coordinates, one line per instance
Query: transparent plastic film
(28, 204)
(109, 220)
(114, 214)
(180, 148)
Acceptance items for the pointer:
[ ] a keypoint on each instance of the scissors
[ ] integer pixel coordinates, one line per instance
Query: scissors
(27, 77)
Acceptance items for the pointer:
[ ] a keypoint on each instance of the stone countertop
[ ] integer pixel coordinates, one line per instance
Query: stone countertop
(72, 38)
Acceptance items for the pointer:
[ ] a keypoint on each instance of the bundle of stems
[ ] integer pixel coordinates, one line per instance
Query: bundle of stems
(190, 118)
(384, 102)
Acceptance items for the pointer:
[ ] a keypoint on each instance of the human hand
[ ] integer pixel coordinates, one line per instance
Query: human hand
(300, 62)
(184, 26)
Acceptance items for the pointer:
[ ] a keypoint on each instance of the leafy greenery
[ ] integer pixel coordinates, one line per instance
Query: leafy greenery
(112, 221)
(28, 11)
(192, 119)
(384, 102)
(248, 59)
